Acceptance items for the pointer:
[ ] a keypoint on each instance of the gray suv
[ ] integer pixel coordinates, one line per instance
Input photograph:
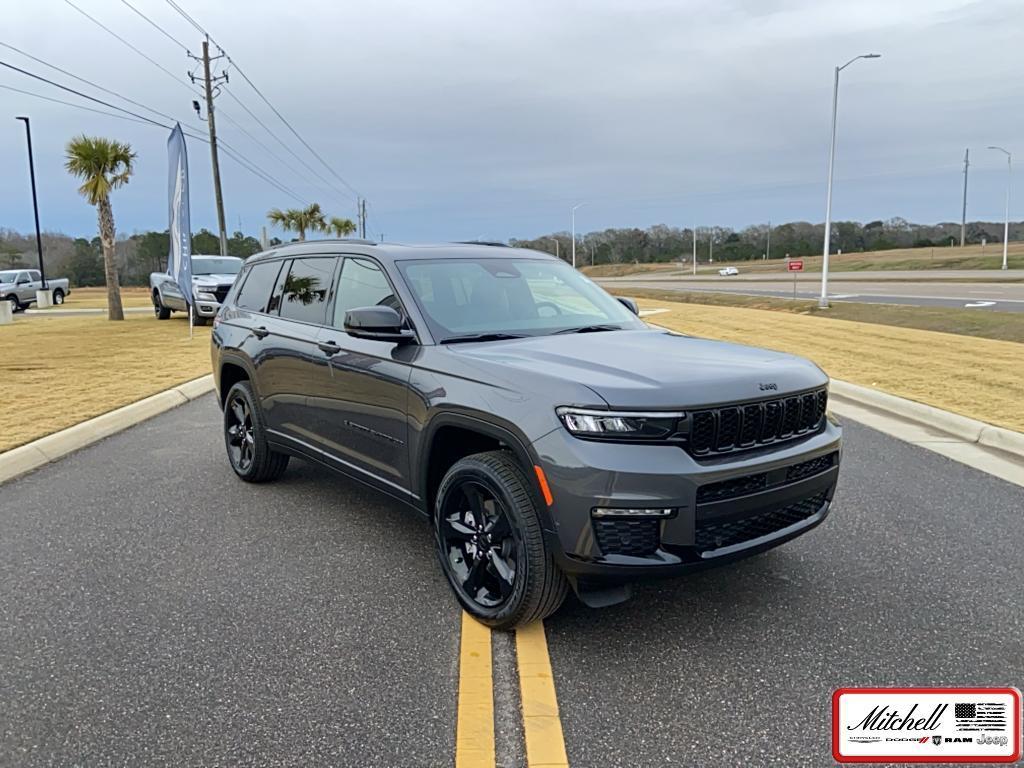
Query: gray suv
(553, 439)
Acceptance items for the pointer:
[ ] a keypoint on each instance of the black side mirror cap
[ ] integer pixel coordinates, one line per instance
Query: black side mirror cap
(377, 324)
(629, 304)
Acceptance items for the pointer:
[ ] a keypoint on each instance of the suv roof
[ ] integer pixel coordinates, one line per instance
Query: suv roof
(402, 251)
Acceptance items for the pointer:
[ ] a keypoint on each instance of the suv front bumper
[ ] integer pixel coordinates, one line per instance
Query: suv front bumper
(750, 502)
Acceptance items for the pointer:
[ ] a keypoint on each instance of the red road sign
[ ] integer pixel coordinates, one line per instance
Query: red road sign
(796, 265)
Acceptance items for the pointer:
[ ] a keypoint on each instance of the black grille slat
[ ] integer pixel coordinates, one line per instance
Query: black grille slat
(809, 468)
(731, 488)
(728, 428)
(711, 535)
(637, 538)
(221, 293)
(731, 428)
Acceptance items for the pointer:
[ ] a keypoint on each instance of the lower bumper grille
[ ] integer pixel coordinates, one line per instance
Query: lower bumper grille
(716, 535)
(747, 484)
(637, 538)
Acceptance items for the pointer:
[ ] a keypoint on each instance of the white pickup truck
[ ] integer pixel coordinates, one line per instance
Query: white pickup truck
(19, 287)
(212, 277)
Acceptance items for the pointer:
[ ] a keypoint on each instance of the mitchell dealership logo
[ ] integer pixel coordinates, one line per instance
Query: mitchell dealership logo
(884, 719)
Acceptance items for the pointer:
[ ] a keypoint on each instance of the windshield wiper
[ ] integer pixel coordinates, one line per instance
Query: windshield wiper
(591, 328)
(482, 337)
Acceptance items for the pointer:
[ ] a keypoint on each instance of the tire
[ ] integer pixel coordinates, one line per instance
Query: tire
(58, 297)
(248, 452)
(198, 320)
(15, 304)
(476, 554)
(161, 312)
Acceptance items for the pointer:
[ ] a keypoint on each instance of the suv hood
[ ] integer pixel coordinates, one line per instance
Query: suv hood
(213, 279)
(652, 368)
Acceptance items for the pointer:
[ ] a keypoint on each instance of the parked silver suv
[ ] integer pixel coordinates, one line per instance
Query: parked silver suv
(212, 277)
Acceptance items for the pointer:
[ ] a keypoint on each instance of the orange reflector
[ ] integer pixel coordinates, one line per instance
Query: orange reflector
(544, 489)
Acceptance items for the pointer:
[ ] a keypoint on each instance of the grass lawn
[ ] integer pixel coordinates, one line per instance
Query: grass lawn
(59, 371)
(96, 298)
(1002, 326)
(970, 257)
(980, 378)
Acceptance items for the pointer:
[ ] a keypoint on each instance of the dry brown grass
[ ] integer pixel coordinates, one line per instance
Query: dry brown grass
(96, 298)
(59, 371)
(980, 378)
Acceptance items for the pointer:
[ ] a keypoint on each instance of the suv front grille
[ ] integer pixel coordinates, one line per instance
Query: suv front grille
(221, 293)
(728, 429)
(638, 538)
(712, 535)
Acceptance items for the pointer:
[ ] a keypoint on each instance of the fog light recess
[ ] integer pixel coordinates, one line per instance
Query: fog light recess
(632, 513)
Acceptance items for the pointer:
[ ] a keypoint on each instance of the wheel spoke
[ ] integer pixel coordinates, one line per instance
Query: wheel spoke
(234, 434)
(506, 575)
(475, 577)
(498, 527)
(457, 530)
(238, 411)
(476, 502)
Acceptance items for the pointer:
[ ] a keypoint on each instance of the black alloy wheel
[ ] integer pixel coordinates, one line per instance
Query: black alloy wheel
(239, 431)
(490, 542)
(479, 543)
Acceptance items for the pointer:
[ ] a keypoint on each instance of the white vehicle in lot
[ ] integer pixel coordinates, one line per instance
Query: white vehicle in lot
(212, 277)
(19, 287)
(728, 271)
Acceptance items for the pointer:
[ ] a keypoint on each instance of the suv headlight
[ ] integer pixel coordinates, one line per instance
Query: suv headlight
(205, 295)
(620, 425)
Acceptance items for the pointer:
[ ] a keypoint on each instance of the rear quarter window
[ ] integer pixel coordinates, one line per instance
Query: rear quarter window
(258, 284)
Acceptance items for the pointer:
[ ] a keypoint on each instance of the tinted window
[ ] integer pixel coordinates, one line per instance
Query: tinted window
(305, 292)
(257, 286)
(362, 284)
(34, 275)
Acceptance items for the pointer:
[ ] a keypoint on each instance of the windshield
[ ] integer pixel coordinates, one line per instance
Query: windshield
(8, 277)
(532, 297)
(215, 265)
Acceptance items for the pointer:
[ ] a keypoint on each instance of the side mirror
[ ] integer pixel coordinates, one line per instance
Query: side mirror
(378, 324)
(23, 282)
(629, 304)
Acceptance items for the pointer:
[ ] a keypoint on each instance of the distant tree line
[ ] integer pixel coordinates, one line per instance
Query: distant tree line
(81, 260)
(662, 243)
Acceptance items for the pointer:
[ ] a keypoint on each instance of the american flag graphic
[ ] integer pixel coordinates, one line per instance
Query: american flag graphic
(980, 717)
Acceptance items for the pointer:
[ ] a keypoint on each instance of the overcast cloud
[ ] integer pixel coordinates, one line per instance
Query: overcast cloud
(463, 119)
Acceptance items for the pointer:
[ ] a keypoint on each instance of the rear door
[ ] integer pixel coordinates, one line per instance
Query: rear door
(360, 393)
(296, 311)
(25, 288)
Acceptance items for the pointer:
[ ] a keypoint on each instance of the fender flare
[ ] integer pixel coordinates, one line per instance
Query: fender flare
(229, 358)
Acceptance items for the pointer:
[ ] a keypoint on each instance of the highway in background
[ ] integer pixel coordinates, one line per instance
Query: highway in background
(914, 288)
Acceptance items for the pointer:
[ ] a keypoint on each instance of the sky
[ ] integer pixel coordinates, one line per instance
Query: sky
(464, 119)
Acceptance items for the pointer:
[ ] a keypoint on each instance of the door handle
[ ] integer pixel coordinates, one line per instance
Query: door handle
(260, 333)
(329, 347)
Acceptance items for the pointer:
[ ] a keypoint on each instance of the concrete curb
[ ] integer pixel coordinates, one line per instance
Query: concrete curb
(961, 427)
(25, 458)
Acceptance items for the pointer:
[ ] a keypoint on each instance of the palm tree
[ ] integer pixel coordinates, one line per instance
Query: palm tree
(299, 220)
(103, 165)
(341, 227)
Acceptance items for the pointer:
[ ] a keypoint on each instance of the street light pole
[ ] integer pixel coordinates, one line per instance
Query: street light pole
(572, 212)
(1006, 220)
(35, 200)
(823, 301)
(555, 241)
(695, 250)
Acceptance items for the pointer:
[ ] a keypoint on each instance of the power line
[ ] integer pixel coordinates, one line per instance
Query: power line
(235, 155)
(252, 85)
(156, 26)
(72, 104)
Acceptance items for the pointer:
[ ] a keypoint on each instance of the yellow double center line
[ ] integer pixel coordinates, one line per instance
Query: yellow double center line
(542, 726)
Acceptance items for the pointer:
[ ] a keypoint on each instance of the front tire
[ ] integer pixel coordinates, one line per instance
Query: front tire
(15, 304)
(245, 437)
(161, 312)
(490, 542)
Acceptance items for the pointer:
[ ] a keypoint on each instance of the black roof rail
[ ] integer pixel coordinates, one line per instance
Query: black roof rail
(482, 242)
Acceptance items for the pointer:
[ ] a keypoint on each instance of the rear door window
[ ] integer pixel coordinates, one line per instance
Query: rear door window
(255, 292)
(307, 288)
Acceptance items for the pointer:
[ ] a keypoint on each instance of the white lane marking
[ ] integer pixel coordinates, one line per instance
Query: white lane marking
(973, 304)
(843, 295)
(648, 312)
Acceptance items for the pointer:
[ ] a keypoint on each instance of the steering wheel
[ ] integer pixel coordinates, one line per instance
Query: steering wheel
(539, 304)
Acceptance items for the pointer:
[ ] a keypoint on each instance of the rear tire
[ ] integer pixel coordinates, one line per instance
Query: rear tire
(245, 437)
(490, 543)
(161, 312)
(58, 297)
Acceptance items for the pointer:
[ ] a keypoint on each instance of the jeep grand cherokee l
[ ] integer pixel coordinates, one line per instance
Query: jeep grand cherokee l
(554, 439)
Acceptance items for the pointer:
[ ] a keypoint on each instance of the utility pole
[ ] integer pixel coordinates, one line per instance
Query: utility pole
(362, 218)
(711, 245)
(212, 84)
(963, 216)
(695, 250)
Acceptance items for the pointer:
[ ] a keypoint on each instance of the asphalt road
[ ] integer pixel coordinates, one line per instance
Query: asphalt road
(999, 297)
(154, 610)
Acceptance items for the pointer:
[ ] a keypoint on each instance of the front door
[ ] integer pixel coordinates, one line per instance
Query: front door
(359, 398)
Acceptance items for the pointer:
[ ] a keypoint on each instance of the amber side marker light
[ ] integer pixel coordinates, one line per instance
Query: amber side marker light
(544, 488)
